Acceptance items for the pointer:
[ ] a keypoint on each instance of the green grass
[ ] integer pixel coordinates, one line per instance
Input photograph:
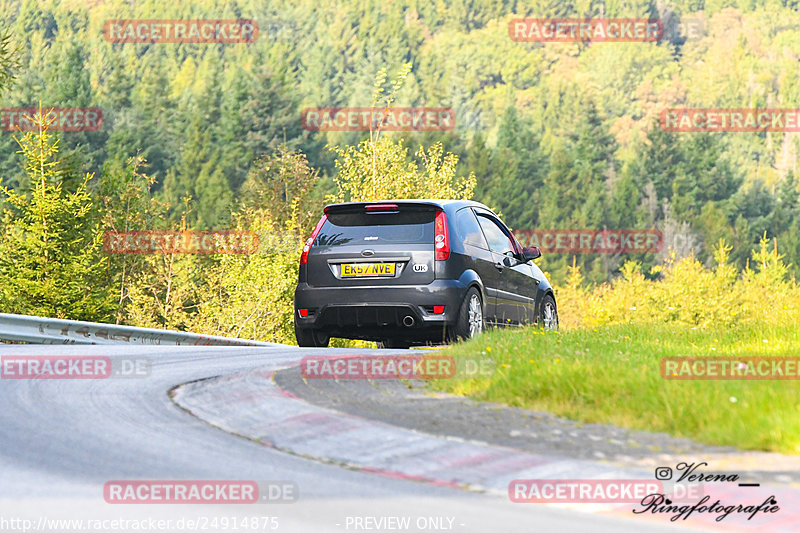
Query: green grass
(611, 375)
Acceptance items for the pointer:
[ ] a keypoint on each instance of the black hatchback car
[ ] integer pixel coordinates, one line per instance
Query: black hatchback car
(405, 272)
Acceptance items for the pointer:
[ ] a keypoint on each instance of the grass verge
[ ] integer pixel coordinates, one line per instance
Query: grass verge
(611, 375)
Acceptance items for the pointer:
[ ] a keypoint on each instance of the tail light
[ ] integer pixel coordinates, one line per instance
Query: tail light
(441, 238)
(381, 208)
(310, 241)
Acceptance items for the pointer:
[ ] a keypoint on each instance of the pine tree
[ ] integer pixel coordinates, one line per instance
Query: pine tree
(199, 177)
(9, 60)
(658, 161)
(277, 190)
(518, 170)
(51, 262)
(703, 175)
(68, 85)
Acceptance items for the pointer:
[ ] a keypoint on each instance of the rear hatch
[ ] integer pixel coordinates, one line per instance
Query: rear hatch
(374, 244)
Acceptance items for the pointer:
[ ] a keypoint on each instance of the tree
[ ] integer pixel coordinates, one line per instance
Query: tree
(199, 176)
(575, 190)
(9, 60)
(518, 169)
(658, 161)
(127, 204)
(379, 168)
(51, 262)
(382, 170)
(704, 175)
(277, 188)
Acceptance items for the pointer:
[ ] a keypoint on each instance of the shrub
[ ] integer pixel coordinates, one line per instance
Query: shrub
(687, 293)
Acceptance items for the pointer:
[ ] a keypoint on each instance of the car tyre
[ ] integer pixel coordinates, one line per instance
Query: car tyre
(470, 322)
(310, 338)
(548, 314)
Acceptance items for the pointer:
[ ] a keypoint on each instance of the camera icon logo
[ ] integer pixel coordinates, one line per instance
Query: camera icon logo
(663, 473)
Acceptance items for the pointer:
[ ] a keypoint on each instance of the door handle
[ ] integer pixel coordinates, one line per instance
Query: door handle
(499, 266)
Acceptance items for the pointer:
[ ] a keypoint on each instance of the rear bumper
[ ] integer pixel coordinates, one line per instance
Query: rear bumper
(378, 312)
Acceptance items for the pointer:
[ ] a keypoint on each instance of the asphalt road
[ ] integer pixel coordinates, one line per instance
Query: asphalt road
(62, 440)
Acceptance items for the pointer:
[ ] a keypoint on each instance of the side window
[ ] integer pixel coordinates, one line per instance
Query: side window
(498, 240)
(468, 229)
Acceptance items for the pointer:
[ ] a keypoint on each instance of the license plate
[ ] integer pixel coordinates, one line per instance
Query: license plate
(358, 270)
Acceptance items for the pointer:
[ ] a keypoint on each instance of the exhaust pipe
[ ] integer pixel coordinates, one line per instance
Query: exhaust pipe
(408, 321)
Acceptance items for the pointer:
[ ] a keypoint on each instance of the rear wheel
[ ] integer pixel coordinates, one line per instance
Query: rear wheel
(470, 322)
(548, 315)
(310, 338)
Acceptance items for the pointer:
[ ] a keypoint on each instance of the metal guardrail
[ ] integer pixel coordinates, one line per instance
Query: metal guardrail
(39, 330)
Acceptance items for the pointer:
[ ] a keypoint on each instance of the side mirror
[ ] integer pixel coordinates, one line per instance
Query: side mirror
(529, 253)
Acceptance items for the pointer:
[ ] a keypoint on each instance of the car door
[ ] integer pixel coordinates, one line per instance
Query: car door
(479, 258)
(510, 306)
(526, 283)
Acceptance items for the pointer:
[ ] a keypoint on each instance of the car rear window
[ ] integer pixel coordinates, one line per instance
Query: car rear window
(404, 227)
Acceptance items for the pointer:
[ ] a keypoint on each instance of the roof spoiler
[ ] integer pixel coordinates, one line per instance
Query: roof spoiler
(381, 206)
